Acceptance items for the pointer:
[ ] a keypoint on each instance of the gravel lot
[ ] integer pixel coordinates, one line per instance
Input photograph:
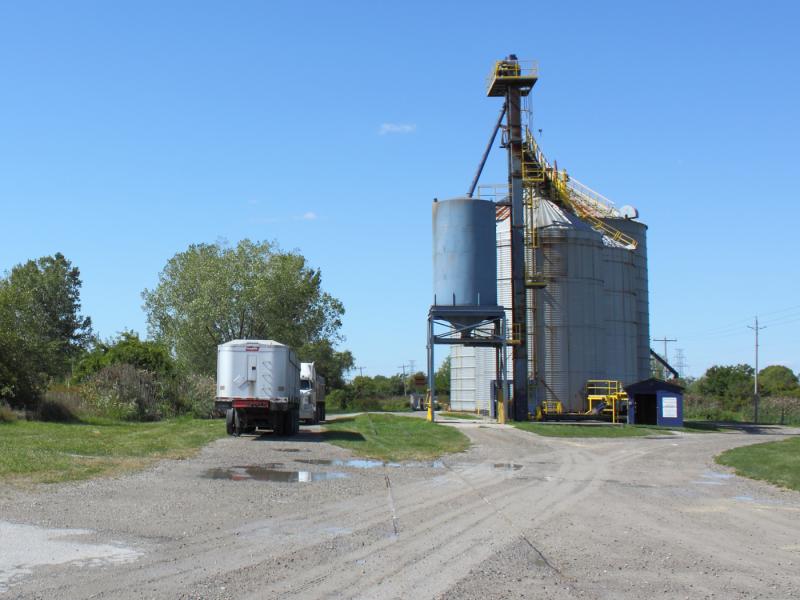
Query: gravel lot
(516, 516)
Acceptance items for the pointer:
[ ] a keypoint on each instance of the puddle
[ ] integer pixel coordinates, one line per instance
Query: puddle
(707, 482)
(260, 473)
(289, 450)
(507, 466)
(717, 475)
(744, 498)
(355, 463)
(26, 547)
(365, 463)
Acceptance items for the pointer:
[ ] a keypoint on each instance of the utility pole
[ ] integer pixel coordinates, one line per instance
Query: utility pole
(404, 378)
(666, 340)
(756, 329)
(411, 364)
(360, 371)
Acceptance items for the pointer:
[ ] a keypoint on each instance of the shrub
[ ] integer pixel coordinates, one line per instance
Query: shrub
(124, 392)
(6, 414)
(337, 398)
(198, 394)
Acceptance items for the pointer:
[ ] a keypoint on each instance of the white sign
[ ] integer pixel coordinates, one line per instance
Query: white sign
(669, 407)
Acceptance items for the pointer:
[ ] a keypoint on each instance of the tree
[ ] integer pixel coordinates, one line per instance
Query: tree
(213, 293)
(42, 328)
(330, 363)
(126, 349)
(442, 377)
(730, 383)
(776, 380)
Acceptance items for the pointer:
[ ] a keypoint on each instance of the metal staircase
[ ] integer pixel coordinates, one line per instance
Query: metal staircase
(589, 205)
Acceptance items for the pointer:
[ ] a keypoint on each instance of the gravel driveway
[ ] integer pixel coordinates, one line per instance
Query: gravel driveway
(516, 516)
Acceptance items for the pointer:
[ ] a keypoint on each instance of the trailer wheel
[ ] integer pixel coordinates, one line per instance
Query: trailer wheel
(229, 421)
(278, 424)
(237, 424)
(296, 421)
(322, 418)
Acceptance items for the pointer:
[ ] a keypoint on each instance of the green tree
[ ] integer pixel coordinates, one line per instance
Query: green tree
(333, 365)
(732, 384)
(126, 349)
(775, 380)
(212, 293)
(42, 328)
(442, 377)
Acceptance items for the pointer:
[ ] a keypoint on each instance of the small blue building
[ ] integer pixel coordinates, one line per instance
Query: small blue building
(655, 402)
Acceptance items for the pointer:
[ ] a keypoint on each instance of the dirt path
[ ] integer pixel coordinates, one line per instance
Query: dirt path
(517, 516)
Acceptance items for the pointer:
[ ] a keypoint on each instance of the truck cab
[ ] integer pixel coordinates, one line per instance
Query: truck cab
(312, 394)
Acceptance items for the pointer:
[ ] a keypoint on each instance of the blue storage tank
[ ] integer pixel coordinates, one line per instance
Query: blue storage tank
(464, 255)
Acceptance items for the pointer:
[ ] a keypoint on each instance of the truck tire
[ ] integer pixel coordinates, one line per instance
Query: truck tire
(229, 421)
(296, 420)
(288, 422)
(279, 423)
(237, 423)
(322, 418)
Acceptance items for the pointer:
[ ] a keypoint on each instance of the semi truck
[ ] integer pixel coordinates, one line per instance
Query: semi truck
(312, 394)
(258, 387)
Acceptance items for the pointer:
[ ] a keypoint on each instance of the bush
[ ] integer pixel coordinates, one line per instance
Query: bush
(6, 414)
(198, 395)
(124, 392)
(59, 405)
(337, 399)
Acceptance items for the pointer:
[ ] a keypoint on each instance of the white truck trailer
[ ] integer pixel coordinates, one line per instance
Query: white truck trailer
(258, 386)
(312, 394)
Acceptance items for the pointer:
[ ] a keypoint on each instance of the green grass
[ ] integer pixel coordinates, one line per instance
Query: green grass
(37, 452)
(395, 404)
(775, 462)
(459, 415)
(593, 431)
(394, 438)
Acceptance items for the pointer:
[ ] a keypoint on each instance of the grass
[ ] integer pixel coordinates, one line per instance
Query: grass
(37, 452)
(459, 415)
(394, 404)
(775, 462)
(593, 431)
(394, 438)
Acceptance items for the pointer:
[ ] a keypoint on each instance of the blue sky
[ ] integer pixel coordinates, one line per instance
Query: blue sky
(130, 130)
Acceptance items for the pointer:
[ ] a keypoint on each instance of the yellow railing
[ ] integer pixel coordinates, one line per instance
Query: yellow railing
(509, 69)
(588, 206)
(609, 392)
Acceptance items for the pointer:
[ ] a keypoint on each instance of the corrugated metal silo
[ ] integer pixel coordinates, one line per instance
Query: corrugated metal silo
(464, 264)
(620, 310)
(638, 231)
(462, 377)
(571, 343)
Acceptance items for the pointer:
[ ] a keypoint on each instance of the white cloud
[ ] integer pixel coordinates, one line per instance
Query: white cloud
(309, 216)
(397, 128)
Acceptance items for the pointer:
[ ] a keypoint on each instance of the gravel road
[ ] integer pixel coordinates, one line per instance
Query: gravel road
(516, 516)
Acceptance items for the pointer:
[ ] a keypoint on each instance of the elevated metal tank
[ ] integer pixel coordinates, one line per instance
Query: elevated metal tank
(483, 373)
(464, 263)
(638, 231)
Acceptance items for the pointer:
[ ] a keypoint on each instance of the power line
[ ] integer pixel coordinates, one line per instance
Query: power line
(680, 362)
(666, 340)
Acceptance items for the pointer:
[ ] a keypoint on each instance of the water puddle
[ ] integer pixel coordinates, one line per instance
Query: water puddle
(507, 466)
(355, 463)
(717, 475)
(27, 547)
(262, 473)
(290, 450)
(365, 463)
